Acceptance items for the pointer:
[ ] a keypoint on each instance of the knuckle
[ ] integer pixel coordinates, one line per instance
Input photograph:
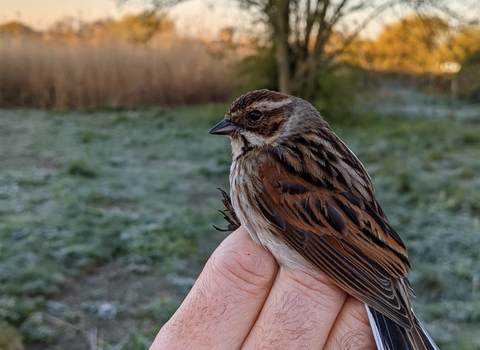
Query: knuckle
(245, 270)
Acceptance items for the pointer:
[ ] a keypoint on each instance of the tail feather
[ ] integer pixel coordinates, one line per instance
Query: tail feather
(425, 336)
(390, 336)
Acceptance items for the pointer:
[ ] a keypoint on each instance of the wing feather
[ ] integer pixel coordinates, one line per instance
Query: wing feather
(354, 246)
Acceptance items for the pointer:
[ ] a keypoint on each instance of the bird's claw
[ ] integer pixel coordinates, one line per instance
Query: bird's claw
(233, 222)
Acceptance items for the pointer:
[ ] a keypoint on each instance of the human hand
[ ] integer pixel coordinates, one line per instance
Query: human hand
(242, 300)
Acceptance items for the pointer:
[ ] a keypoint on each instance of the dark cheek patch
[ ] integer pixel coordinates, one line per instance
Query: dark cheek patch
(272, 121)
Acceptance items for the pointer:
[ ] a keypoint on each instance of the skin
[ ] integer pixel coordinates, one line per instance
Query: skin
(243, 300)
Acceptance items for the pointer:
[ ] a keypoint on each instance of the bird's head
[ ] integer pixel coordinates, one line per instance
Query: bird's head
(263, 118)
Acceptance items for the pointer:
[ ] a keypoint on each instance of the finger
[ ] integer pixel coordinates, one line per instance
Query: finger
(299, 312)
(352, 328)
(226, 299)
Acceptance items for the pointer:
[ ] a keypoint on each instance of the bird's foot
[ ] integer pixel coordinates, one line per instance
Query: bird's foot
(233, 222)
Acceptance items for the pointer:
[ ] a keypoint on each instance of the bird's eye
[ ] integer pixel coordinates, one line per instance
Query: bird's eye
(255, 115)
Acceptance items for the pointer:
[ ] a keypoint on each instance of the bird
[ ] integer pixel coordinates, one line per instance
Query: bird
(305, 196)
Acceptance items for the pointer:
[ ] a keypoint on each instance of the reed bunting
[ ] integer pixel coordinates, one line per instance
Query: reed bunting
(302, 193)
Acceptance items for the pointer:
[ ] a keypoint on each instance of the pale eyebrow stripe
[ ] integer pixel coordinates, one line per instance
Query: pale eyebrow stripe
(270, 104)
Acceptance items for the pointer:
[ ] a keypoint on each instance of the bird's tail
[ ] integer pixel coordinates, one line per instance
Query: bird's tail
(390, 336)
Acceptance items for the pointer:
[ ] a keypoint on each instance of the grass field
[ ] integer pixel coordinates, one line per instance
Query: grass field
(105, 218)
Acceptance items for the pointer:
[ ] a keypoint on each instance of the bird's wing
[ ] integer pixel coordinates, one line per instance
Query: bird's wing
(340, 234)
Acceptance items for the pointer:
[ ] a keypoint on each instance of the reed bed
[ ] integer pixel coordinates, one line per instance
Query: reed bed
(70, 75)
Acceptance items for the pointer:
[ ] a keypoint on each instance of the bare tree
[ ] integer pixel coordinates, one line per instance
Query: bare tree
(300, 30)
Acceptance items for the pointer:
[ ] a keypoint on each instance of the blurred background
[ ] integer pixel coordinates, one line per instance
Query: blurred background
(108, 176)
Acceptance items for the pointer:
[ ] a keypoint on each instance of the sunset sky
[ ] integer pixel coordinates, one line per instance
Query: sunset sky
(193, 17)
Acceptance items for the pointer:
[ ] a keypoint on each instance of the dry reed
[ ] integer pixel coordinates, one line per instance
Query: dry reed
(58, 74)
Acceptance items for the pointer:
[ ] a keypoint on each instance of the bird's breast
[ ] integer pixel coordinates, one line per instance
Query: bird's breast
(244, 184)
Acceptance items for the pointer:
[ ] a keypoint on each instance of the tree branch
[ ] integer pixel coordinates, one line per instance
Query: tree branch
(320, 40)
(357, 31)
(310, 21)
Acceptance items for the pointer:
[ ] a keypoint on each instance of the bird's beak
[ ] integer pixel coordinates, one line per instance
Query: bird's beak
(225, 127)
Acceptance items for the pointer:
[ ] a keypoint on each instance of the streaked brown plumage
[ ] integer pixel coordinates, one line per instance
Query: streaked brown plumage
(300, 192)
